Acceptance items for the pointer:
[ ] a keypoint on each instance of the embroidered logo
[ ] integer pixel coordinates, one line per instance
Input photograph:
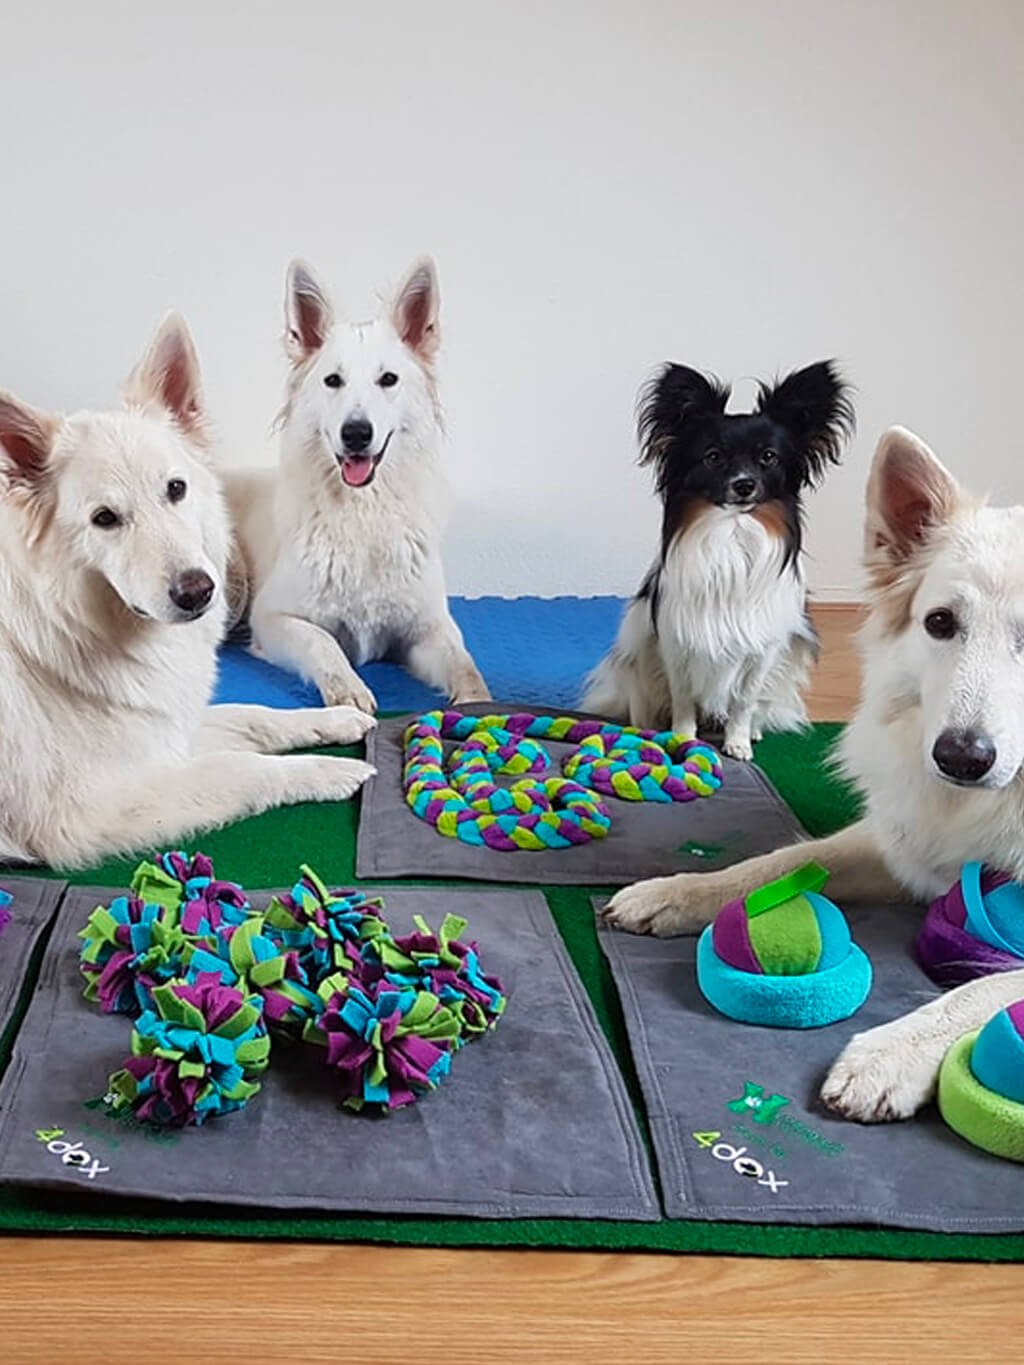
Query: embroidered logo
(746, 1166)
(70, 1153)
(763, 1107)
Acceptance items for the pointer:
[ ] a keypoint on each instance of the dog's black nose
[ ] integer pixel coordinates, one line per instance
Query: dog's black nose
(963, 755)
(356, 434)
(744, 488)
(192, 590)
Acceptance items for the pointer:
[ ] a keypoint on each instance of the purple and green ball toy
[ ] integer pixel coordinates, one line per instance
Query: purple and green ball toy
(981, 1085)
(783, 956)
(975, 929)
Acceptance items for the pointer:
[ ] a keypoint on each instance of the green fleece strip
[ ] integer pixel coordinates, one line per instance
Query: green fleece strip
(811, 877)
(787, 941)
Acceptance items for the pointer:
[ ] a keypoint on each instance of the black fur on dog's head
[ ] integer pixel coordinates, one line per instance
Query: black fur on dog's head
(758, 462)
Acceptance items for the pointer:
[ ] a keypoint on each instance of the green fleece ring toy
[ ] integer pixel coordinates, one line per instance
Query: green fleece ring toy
(981, 1085)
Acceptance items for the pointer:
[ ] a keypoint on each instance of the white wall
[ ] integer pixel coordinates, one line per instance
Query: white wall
(745, 186)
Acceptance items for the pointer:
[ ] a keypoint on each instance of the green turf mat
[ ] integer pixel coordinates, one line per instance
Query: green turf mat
(266, 851)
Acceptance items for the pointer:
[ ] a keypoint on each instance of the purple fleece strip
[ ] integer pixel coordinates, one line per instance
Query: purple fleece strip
(731, 938)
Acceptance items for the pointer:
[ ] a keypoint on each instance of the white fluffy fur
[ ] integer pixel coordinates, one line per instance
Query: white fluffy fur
(930, 545)
(342, 575)
(732, 640)
(108, 743)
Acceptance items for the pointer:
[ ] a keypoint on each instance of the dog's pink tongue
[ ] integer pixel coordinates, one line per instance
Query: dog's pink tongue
(356, 469)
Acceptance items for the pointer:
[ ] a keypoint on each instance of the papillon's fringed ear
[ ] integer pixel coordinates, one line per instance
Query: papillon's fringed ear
(308, 314)
(416, 310)
(815, 407)
(26, 438)
(910, 495)
(168, 375)
(672, 401)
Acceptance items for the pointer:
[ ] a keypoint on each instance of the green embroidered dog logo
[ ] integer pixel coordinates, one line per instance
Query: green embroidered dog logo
(763, 1108)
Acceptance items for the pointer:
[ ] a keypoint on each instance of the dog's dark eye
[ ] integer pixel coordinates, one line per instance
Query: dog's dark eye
(106, 518)
(941, 624)
(768, 457)
(388, 379)
(176, 490)
(333, 381)
(713, 457)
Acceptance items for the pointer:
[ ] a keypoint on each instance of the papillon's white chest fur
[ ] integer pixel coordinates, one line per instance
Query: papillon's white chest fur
(718, 633)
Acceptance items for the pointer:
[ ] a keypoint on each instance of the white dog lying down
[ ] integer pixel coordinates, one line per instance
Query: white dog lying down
(113, 551)
(936, 748)
(342, 544)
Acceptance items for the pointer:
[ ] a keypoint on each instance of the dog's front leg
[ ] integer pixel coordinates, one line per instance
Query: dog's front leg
(150, 808)
(684, 705)
(272, 730)
(683, 904)
(439, 657)
(891, 1071)
(738, 740)
(312, 652)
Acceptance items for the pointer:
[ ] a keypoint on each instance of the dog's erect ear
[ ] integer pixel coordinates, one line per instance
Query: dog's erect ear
(416, 309)
(814, 405)
(909, 494)
(168, 374)
(677, 398)
(26, 437)
(308, 315)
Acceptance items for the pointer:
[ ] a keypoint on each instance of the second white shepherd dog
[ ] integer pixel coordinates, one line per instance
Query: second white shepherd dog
(342, 544)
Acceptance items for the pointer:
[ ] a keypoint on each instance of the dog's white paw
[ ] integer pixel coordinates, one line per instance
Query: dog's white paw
(664, 906)
(344, 725)
(469, 695)
(468, 686)
(316, 777)
(884, 1074)
(355, 773)
(344, 778)
(741, 748)
(347, 689)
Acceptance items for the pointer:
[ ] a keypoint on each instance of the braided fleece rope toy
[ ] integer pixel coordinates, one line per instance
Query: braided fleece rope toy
(462, 801)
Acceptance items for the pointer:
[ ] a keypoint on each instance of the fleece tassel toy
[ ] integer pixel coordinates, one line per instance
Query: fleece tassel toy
(209, 981)
(196, 1053)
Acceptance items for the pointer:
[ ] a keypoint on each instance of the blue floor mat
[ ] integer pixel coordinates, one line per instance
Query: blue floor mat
(535, 649)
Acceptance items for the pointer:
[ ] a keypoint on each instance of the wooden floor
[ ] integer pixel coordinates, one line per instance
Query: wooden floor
(73, 1299)
(836, 678)
(111, 1303)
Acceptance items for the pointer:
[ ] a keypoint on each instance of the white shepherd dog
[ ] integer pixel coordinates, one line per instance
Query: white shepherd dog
(342, 544)
(114, 547)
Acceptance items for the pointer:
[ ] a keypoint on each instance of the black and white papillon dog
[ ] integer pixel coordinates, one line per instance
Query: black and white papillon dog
(718, 633)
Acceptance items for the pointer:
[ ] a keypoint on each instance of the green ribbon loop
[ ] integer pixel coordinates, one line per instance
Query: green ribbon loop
(811, 877)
